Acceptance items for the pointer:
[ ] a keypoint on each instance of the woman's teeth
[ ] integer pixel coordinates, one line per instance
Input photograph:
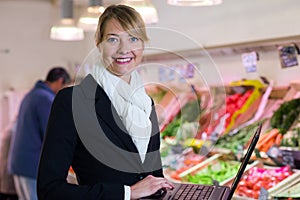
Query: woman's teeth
(123, 59)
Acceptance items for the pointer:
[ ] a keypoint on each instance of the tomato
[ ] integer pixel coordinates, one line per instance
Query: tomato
(242, 191)
(242, 183)
(265, 184)
(251, 183)
(248, 192)
(240, 103)
(257, 186)
(256, 194)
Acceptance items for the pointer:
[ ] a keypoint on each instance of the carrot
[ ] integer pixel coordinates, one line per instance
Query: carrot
(262, 138)
(278, 139)
(268, 144)
(268, 137)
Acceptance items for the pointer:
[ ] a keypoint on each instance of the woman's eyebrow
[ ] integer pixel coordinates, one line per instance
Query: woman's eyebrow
(112, 34)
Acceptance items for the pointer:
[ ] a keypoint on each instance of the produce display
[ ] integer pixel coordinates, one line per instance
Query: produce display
(183, 121)
(176, 106)
(187, 162)
(267, 140)
(238, 140)
(218, 170)
(292, 138)
(172, 128)
(239, 118)
(251, 184)
(175, 163)
(249, 97)
(285, 116)
(234, 103)
(240, 106)
(290, 145)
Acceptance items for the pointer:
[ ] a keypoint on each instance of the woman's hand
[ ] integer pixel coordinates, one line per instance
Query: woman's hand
(149, 186)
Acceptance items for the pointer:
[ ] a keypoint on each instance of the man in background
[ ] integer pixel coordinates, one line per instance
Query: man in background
(27, 140)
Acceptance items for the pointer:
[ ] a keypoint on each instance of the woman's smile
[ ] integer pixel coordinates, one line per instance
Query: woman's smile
(121, 61)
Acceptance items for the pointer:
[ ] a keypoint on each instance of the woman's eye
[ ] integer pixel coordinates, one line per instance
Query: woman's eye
(134, 39)
(112, 40)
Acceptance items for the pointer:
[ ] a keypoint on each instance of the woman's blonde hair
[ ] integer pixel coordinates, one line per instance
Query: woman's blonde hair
(130, 20)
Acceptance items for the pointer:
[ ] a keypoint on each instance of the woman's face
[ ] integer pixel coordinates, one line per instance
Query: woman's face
(121, 51)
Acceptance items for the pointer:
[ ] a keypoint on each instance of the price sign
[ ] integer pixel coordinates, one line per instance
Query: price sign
(249, 61)
(264, 194)
(288, 56)
(275, 154)
(287, 158)
(281, 157)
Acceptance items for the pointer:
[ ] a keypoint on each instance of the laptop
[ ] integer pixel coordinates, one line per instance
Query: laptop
(183, 191)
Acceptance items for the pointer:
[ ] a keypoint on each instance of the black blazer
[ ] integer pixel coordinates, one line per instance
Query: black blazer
(85, 132)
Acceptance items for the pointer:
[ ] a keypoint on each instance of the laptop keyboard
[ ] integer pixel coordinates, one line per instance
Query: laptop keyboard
(191, 192)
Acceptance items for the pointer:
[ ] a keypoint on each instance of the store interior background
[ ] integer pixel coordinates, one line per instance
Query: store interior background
(226, 30)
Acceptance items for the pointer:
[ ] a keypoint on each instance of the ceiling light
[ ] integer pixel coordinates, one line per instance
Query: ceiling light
(194, 2)
(145, 8)
(66, 29)
(89, 19)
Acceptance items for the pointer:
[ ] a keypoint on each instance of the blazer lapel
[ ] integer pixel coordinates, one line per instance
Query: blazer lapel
(154, 144)
(106, 111)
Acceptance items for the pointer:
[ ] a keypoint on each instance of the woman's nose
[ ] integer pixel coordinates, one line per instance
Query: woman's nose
(124, 47)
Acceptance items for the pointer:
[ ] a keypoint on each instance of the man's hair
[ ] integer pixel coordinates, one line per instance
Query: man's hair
(56, 73)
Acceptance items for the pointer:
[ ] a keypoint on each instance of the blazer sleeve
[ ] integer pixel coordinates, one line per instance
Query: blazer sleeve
(56, 158)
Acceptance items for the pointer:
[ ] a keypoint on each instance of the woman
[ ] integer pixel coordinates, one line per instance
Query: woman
(105, 127)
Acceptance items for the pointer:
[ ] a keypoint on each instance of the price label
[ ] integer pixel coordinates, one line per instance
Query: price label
(287, 158)
(264, 194)
(288, 56)
(249, 61)
(281, 157)
(274, 152)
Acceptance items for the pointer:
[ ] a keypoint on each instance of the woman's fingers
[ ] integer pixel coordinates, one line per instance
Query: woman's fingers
(149, 186)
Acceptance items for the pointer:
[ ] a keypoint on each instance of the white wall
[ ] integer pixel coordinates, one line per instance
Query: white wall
(231, 22)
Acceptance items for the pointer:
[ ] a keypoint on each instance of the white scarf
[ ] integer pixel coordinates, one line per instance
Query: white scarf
(132, 104)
